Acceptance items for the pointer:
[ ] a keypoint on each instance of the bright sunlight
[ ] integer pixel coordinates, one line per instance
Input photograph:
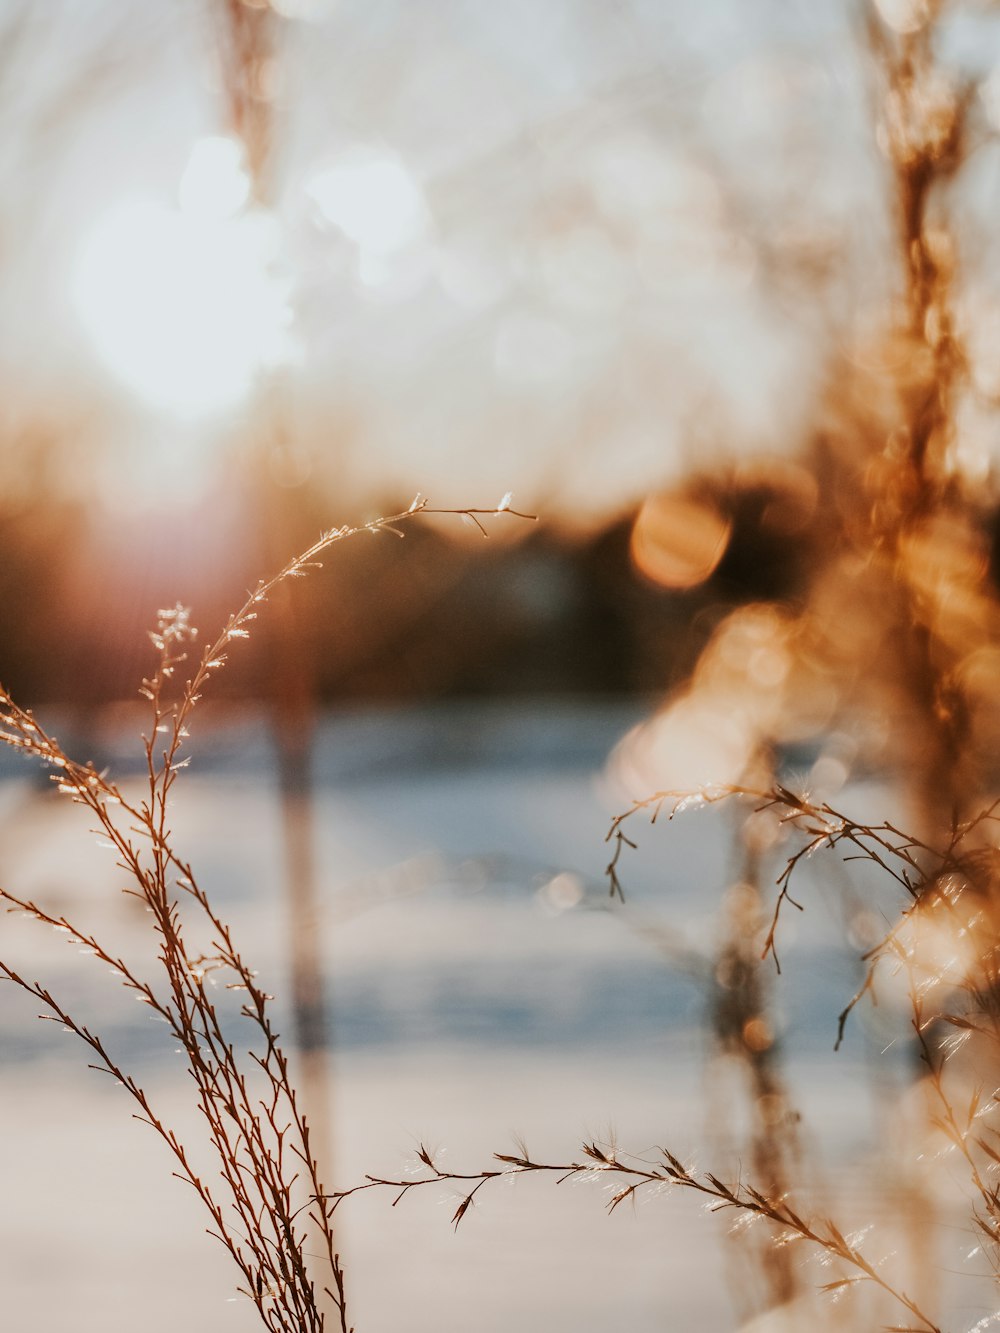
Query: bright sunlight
(185, 306)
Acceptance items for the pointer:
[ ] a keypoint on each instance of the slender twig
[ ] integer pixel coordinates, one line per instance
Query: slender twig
(636, 1174)
(258, 1134)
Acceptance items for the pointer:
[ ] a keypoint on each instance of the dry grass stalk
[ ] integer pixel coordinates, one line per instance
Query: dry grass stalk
(630, 1174)
(761, 1275)
(942, 895)
(894, 619)
(934, 884)
(269, 1196)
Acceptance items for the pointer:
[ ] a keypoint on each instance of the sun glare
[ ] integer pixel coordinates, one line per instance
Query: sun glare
(215, 183)
(183, 305)
(371, 197)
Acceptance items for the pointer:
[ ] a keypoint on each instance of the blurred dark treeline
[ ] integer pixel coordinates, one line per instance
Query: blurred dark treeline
(536, 608)
(385, 620)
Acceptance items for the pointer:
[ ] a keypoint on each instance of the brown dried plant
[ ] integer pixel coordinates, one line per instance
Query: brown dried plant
(885, 637)
(947, 898)
(631, 1173)
(938, 886)
(265, 1198)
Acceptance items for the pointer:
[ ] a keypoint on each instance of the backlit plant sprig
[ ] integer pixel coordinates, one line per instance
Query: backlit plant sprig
(630, 1174)
(917, 867)
(267, 1202)
(947, 892)
(931, 881)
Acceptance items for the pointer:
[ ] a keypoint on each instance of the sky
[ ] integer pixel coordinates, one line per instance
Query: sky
(569, 250)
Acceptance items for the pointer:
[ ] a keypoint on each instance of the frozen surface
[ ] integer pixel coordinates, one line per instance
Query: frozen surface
(474, 996)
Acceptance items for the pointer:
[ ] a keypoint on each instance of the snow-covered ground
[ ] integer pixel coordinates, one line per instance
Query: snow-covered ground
(480, 986)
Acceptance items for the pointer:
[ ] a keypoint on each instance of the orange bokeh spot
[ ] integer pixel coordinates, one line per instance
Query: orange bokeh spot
(757, 1035)
(678, 541)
